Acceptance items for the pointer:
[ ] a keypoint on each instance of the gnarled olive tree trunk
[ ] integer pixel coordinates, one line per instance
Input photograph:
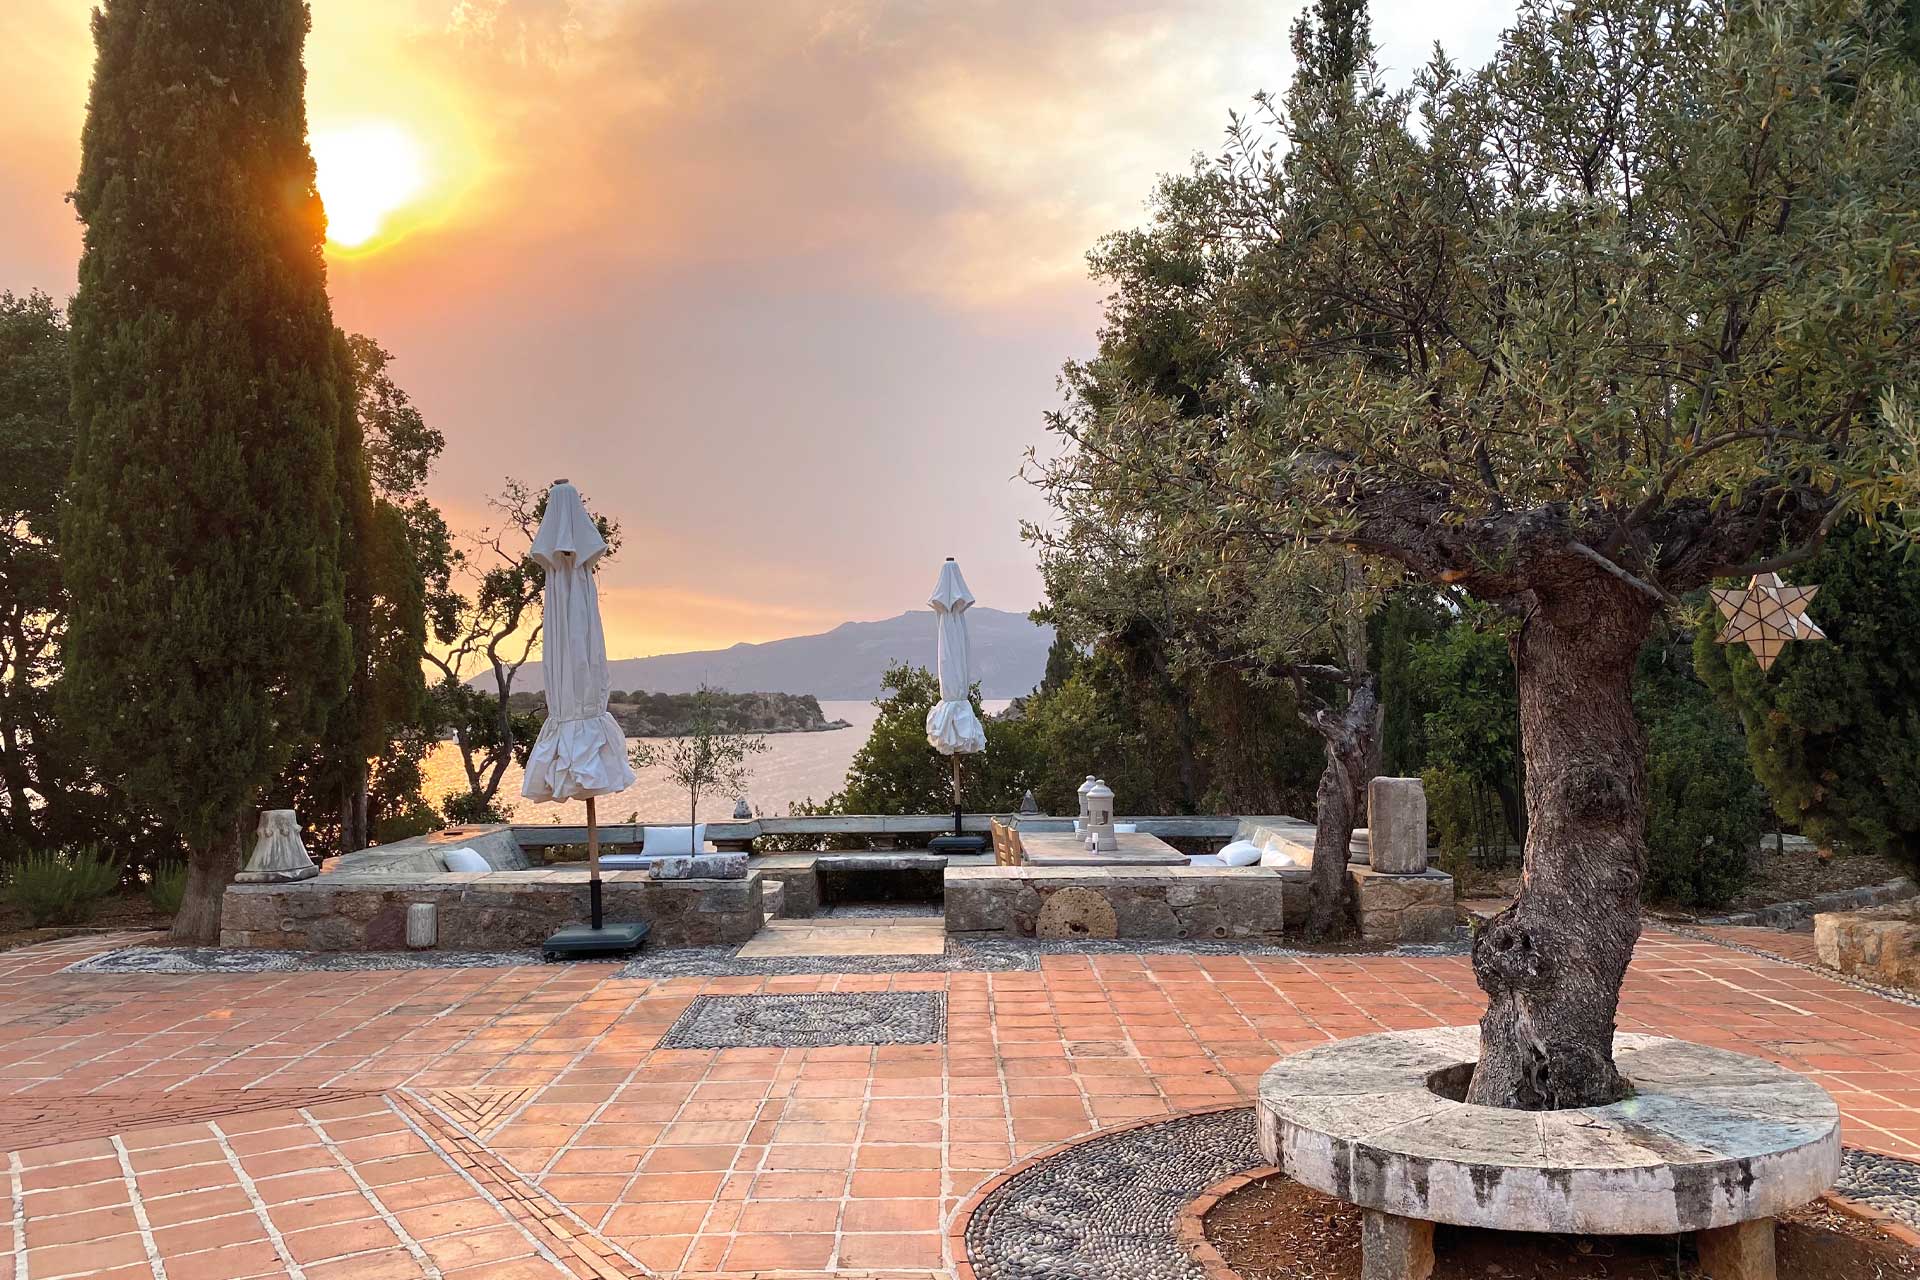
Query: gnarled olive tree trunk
(1352, 737)
(1552, 963)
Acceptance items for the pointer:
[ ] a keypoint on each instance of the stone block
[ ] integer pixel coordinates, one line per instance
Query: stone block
(1395, 1248)
(1393, 909)
(1879, 944)
(700, 866)
(1743, 1251)
(1397, 826)
(423, 925)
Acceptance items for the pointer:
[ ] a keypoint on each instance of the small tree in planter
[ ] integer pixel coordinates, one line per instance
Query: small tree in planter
(1627, 311)
(705, 759)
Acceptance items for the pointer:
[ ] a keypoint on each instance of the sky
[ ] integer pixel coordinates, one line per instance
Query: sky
(784, 286)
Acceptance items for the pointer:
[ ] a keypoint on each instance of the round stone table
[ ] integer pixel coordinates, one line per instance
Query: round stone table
(1710, 1142)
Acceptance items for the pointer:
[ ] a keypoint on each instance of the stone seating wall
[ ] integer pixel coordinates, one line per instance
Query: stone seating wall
(483, 910)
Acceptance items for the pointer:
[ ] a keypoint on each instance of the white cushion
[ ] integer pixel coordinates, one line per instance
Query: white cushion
(1279, 857)
(1125, 828)
(625, 862)
(1204, 860)
(1241, 853)
(464, 859)
(673, 840)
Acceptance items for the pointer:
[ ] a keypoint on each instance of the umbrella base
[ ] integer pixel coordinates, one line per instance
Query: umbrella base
(957, 844)
(584, 942)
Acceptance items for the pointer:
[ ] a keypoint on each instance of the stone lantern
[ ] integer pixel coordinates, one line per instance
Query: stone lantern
(1081, 817)
(1099, 802)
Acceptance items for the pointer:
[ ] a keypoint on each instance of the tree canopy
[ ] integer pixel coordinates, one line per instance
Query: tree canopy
(202, 540)
(1625, 310)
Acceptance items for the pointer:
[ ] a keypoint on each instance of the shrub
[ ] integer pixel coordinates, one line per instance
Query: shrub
(1704, 810)
(1833, 729)
(1469, 820)
(464, 808)
(61, 888)
(166, 886)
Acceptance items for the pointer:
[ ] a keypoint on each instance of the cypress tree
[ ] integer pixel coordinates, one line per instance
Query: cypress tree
(203, 537)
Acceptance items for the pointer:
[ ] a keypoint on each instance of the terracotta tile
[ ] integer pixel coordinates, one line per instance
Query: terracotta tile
(232, 1263)
(779, 1252)
(75, 1228)
(84, 1256)
(497, 1244)
(320, 1244)
(445, 1219)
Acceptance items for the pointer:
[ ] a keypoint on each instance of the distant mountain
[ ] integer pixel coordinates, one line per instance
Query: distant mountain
(1009, 654)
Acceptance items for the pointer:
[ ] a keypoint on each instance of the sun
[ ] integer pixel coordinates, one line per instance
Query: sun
(366, 174)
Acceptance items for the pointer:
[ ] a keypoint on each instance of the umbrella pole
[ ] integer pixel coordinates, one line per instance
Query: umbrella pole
(593, 860)
(956, 796)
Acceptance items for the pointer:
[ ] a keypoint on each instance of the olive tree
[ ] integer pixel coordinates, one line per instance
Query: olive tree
(1632, 308)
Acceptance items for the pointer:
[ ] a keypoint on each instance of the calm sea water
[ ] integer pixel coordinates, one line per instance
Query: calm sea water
(795, 766)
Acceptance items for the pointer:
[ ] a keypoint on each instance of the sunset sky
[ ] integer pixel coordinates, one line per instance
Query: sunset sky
(782, 286)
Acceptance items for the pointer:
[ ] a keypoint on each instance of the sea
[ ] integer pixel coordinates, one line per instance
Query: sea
(795, 766)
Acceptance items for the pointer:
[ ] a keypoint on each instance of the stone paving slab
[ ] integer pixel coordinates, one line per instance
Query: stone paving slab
(807, 1162)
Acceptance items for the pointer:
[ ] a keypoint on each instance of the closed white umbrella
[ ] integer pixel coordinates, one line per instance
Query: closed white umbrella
(581, 752)
(952, 727)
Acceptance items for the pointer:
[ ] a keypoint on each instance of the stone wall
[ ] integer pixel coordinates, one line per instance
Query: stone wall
(1880, 944)
(483, 910)
(424, 855)
(1392, 909)
(1202, 903)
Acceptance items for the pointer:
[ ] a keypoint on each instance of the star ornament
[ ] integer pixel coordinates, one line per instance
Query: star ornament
(1767, 615)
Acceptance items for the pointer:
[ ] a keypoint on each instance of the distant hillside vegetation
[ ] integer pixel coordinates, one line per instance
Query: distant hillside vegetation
(1009, 653)
(666, 715)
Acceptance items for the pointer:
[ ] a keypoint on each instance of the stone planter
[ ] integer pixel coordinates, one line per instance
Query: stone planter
(1711, 1142)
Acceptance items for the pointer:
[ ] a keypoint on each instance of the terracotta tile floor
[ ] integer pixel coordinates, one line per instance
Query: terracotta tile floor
(520, 1123)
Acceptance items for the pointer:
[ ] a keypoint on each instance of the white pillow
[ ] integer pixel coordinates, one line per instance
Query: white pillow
(674, 840)
(1278, 857)
(464, 859)
(1241, 853)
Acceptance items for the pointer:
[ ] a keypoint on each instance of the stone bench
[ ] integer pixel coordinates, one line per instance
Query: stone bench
(482, 910)
(1207, 904)
(1711, 1142)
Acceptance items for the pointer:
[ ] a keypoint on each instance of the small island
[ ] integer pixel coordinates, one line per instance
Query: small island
(670, 715)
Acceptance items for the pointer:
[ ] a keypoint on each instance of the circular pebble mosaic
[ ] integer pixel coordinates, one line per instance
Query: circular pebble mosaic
(1107, 1207)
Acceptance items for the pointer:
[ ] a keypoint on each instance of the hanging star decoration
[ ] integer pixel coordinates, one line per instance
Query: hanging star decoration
(1767, 615)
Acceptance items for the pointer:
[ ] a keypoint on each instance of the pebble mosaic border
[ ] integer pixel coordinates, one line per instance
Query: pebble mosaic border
(182, 960)
(963, 955)
(1115, 1204)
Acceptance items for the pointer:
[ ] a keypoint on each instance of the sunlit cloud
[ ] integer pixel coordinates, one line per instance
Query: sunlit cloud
(785, 284)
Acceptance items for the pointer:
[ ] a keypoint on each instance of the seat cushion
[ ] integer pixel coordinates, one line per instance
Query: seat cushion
(464, 859)
(1205, 860)
(1241, 853)
(660, 841)
(625, 862)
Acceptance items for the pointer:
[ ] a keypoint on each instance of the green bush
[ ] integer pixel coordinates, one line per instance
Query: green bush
(463, 808)
(1468, 819)
(166, 886)
(1704, 810)
(61, 888)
